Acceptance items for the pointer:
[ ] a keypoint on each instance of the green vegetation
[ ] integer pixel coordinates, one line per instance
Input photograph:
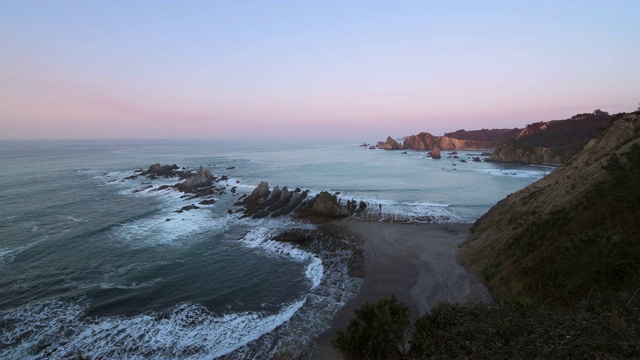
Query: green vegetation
(596, 329)
(377, 332)
(562, 256)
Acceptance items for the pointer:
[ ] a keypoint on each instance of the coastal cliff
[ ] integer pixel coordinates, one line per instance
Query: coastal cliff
(427, 141)
(545, 142)
(573, 230)
(552, 142)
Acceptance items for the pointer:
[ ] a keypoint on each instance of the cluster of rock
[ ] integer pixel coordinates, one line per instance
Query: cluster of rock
(263, 202)
(195, 185)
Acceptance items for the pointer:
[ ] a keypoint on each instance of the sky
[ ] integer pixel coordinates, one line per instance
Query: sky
(357, 70)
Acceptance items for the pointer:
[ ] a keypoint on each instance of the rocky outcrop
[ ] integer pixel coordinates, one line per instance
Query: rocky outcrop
(435, 153)
(262, 202)
(200, 179)
(162, 170)
(426, 141)
(323, 205)
(390, 144)
(566, 233)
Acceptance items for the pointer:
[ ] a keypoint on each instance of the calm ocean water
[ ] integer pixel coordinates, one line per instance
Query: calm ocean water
(90, 267)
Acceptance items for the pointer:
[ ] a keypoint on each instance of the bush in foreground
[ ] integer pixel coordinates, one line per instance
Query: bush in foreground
(377, 332)
(598, 329)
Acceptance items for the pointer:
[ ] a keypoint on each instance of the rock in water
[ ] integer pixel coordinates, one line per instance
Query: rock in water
(201, 178)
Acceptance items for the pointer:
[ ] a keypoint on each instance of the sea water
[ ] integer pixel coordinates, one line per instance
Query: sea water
(93, 264)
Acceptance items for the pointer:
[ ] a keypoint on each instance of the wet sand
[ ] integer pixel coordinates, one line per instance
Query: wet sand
(416, 262)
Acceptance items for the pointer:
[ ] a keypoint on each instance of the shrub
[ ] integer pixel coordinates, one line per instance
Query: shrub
(377, 332)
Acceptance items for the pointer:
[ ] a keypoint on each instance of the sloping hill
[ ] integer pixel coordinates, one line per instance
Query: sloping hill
(577, 228)
(552, 142)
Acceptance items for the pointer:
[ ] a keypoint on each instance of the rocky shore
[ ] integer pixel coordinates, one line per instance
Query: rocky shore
(365, 256)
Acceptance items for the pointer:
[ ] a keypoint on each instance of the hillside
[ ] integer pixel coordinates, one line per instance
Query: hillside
(575, 229)
(552, 142)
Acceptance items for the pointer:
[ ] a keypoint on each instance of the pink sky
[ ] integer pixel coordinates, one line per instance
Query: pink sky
(357, 70)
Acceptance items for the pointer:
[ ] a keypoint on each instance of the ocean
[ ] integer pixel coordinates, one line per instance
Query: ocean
(96, 265)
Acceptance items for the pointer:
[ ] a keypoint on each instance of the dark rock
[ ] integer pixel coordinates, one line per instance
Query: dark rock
(296, 200)
(142, 189)
(229, 211)
(231, 167)
(476, 159)
(187, 208)
(207, 202)
(463, 160)
(435, 153)
(284, 198)
(323, 205)
(260, 214)
(201, 178)
(162, 170)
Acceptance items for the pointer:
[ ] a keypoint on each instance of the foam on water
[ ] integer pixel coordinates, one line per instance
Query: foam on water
(260, 238)
(157, 231)
(532, 174)
(58, 329)
(407, 210)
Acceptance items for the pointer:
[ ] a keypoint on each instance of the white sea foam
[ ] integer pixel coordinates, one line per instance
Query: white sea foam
(260, 238)
(58, 329)
(157, 231)
(532, 174)
(407, 210)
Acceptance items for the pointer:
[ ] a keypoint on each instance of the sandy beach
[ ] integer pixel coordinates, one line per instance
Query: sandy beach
(416, 262)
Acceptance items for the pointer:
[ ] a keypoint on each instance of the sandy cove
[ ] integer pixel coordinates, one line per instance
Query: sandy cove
(417, 262)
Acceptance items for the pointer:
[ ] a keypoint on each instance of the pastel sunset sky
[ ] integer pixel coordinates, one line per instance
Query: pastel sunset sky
(358, 70)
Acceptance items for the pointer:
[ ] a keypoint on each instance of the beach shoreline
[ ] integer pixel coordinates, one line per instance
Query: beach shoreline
(416, 262)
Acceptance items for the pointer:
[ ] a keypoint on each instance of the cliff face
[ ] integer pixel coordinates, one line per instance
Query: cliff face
(426, 141)
(570, 231)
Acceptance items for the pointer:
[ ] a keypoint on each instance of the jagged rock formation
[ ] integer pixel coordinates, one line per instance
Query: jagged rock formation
(435, 153)
(576, 228)
(263, 202)
(390, 144)
(200, 179)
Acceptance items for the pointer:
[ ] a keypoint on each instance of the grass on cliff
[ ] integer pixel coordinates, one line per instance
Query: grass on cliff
(561, 257)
